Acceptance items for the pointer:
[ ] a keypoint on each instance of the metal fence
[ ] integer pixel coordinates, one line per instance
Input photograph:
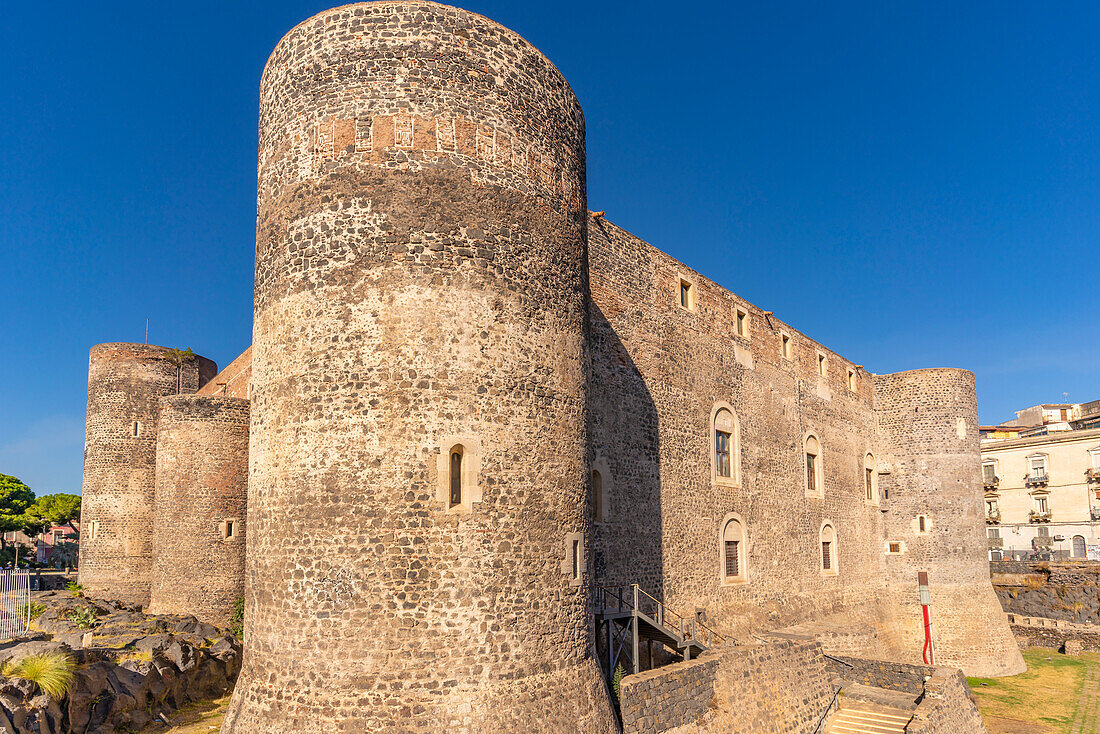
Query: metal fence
(15, 597)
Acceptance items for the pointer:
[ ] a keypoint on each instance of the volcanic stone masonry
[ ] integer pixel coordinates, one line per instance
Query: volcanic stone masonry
(471, 401)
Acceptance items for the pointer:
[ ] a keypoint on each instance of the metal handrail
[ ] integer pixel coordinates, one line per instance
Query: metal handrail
(828, 710)
(662, 613)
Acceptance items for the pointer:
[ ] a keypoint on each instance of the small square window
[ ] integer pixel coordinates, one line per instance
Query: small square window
(895, 547)
(741, 321)
(231, 529)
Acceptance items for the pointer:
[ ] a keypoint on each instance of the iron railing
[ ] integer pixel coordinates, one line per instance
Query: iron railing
(640, 601)
(15, 600)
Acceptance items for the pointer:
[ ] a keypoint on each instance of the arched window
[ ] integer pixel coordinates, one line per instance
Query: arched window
(456, 476)
(725, 446)
(828, 550)
(597, 494)
(869, 484)
(733, 551)
(814, 483)
(1079, 546)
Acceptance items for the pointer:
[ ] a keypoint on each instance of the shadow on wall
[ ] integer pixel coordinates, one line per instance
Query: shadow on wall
(625, 501)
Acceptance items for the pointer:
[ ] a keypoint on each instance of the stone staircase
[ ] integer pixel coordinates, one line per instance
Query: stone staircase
(861, 717)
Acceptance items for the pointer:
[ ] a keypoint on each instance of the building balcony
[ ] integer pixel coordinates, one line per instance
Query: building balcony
(991, 484)
(1042, 542)
(1035, 516)
(992, 518)
(1095, 514)
(1092, 475)
(1036, 480)
(996, 542)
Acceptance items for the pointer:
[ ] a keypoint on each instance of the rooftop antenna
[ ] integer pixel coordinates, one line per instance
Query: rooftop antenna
(146, 329)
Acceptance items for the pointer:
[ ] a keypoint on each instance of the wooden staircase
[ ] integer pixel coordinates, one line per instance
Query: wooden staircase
(860, 717)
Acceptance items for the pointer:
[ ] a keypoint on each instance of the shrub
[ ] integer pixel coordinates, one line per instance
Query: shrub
(1033, 584)
(51, 671)
(236, 619)
(76, 589)
(83, 617)
(33, 610)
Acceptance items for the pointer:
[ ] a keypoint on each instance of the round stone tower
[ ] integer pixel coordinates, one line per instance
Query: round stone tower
(125, 382)
(934, 521)
(201, 495)
(416, 547)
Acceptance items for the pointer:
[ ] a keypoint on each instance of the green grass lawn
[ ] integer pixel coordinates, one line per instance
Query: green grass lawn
(1041, 701)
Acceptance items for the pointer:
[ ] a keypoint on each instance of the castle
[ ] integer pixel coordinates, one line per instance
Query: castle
(469, 402)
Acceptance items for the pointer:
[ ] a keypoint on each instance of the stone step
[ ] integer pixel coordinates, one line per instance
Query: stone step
(868, 720)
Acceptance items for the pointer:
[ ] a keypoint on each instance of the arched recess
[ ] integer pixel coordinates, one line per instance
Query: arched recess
(725, 445)
(828, 558)
(733, 550)
(870, 479)
(600, 490)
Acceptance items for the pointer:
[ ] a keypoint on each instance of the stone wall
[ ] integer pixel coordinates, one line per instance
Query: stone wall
(659, 373)
(420, 294)
(201, 494)
(125, 382)
(235, 381)
(947, 707)
(880, 673)
(779, 686)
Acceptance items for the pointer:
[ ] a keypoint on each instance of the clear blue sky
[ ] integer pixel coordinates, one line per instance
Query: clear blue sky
(913, 184)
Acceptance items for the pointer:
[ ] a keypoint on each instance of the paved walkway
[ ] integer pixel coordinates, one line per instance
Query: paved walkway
(1088, 707)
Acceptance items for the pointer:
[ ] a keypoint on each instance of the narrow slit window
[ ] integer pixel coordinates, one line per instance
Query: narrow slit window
(136, 428)
(869, 482)
(456, 476)
(822, 367)
(576, 559)
(811, 472)
(785, 346)
(597, 495)
(921, 523)
(852, 380)
(826, 555)
(687, 295)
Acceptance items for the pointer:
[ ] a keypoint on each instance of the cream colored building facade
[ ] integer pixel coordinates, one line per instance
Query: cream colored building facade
(1042, 495)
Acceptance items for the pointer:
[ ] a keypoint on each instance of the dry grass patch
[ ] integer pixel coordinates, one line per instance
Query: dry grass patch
(1041, 701)
(195, 718)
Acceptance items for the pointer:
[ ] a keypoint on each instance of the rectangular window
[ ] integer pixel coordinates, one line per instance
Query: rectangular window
(576, 559)
(742, 324)
(732, 560)
(993, 532)
(1041, 505)
(920, 523)
(852, 380)
(822, 367)
(1044, 531)
(722, 453)
(1038, 467)
(895, 547)
(826, 555)
(869, 480)
(991, 507)
(686, 296)
(988, 473)
(811, 472)
(785, 346)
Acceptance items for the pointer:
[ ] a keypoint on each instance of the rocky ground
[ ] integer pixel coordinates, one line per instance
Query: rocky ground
(1076, 602)
(132, 669)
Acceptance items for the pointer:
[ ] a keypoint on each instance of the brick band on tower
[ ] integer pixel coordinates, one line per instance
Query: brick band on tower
(201, 497)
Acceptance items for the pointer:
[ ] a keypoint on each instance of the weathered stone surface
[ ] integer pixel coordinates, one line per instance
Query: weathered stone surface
(125, 382)
(201, 491)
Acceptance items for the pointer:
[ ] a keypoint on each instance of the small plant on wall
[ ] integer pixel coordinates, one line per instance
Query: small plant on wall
(180, 357)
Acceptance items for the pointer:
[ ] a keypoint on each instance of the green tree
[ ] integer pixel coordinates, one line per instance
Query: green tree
(15, 498)
(53, 509)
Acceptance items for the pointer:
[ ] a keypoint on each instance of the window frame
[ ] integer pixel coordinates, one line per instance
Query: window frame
(786, 346)
(687, 291)
(734, 432)
(742, 549)
(822, 365)
(1045, 459)
(870, 478)
(828, 556)
(817, 489)
(470, 468)
(741, 322)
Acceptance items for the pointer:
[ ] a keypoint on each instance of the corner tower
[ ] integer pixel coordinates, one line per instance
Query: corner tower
(199, 513)
(125, 382)
(416, 547)
(927, 422)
